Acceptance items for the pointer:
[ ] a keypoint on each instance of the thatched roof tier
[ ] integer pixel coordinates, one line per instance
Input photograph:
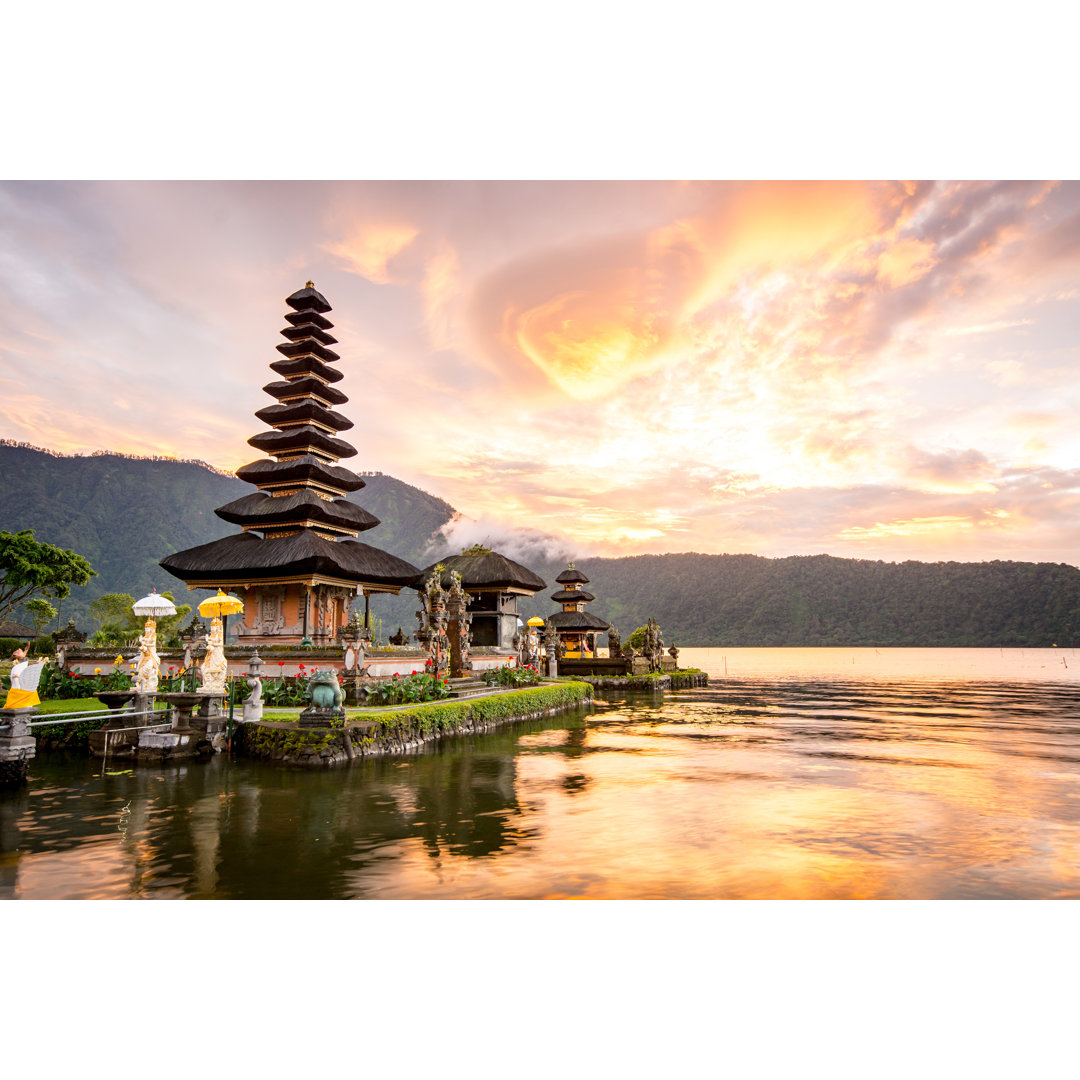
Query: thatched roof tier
(487, 571)
(577, 620)
(302, 439)
(302, 412)
(570, 575)
(307, 347)
(305, 556)
(307, 365)
(303, 509)
(303, 318)
(570, 596)
(307, 469)
(307, 299)
(309, 330)
(303, 386)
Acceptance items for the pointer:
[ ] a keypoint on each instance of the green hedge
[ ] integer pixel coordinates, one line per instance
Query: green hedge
(446, 716)
(366, 728)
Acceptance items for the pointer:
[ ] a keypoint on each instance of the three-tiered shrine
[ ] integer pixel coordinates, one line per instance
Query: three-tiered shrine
(576, 627)
(297, 559)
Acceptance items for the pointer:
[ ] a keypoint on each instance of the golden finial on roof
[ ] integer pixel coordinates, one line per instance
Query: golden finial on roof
(309, 284)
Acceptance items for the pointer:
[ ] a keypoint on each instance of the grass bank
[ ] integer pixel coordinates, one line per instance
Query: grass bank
(369, 733)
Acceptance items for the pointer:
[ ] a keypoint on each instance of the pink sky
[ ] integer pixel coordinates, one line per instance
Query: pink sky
(878, 370)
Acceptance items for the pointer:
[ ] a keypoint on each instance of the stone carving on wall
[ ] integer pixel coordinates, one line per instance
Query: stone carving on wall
(433, 618)
(269, 615)
(459, 626)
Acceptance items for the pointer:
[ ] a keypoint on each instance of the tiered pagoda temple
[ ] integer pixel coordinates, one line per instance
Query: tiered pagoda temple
(577, 628)
(297, 564)
(494, 584)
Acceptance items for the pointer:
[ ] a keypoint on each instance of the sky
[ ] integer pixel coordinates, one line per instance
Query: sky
(881, 370)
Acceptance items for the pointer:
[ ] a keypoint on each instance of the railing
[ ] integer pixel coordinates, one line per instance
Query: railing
(78, 717)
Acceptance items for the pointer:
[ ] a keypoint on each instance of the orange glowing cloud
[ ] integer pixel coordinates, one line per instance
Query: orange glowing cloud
(370, 250)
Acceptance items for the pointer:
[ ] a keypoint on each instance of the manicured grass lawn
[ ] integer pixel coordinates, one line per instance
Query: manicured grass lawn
(84, 704)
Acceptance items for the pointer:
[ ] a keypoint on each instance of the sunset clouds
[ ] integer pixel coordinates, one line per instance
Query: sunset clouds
(882, 370)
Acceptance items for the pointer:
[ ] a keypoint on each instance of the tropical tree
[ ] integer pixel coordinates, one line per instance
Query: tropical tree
(30, 568)
(41, 612)
(117, 623)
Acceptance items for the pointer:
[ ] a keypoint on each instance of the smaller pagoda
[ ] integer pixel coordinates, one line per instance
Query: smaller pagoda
(576, 627)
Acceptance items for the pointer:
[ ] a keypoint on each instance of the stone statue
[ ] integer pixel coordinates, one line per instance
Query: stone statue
(148, 663)
(215, 667)
(674, 654)
(614, 641)
(324, 691)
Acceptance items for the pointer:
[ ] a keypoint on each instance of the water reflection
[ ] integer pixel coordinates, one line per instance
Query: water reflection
(765, 787)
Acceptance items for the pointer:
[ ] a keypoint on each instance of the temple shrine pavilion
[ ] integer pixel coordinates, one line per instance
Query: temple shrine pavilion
(296, 563)
(577, 628)
(494, 584)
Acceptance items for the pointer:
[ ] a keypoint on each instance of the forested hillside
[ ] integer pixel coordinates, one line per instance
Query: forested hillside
(821, 600)
(125, 514)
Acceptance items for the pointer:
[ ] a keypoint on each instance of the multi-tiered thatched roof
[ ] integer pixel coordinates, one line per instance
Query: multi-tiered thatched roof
(307, 526)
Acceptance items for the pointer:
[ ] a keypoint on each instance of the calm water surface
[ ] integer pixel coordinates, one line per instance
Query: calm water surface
(817, 773)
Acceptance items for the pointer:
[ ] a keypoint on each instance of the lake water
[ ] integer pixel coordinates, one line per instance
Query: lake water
(799, 773)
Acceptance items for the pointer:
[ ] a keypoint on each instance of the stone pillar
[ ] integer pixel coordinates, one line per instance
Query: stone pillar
(459, 627)
(253, 707)
(551, 644)
(17, 745)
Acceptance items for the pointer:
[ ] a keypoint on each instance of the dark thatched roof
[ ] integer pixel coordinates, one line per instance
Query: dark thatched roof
(306, 467)
(258, 508)
(307, 365)
(307, 347)
(488, 571)
(570, 596)
(308, 330)
(307, 299)
(577, 620)
(306, 410)
(569, 575)
(10, 628)
(302, 318)
(248, 557)
(300, 438)
(305, 384)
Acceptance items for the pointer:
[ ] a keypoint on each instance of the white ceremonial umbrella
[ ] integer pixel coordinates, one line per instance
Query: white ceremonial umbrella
(154, 605)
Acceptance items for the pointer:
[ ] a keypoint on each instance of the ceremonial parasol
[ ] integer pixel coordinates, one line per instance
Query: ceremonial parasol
(154, 605)
(222, 604)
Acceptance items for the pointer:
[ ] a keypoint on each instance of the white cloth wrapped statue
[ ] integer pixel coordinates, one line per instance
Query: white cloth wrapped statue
(148, 663)
(215, 667)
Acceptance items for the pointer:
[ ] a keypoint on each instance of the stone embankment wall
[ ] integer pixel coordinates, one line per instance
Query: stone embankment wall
(675, 680)
(399, 731)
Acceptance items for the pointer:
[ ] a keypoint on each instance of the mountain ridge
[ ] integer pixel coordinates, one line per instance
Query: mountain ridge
(125, 513)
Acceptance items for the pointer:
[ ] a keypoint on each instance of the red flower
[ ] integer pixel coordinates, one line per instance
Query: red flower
(415, 672)
(281, 663)
(301, 667)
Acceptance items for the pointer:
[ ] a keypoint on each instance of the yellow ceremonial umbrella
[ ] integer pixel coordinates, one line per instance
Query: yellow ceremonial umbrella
(536, 621)
(222, 604)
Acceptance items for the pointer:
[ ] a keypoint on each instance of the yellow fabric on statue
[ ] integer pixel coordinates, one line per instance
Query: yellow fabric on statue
(21, 699)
